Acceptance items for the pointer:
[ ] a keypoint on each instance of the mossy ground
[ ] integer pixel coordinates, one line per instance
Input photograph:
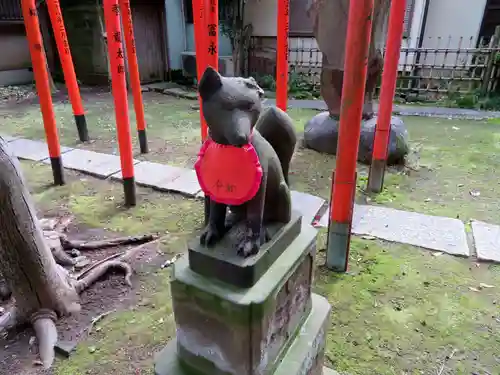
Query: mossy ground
(126, 340)
(449, 160)
(400, 310)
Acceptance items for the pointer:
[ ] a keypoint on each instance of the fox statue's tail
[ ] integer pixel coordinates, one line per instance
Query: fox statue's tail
(277, 128)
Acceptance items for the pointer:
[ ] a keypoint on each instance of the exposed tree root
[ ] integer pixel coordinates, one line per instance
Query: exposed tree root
(44, 325)
(94, 245)
(100, 271)
(44, 320)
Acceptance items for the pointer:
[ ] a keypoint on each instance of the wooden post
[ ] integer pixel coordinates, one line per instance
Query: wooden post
(41, 74)
(119, 89)
(353, 92)
(134, 74)
(282, 55)
(495, 42)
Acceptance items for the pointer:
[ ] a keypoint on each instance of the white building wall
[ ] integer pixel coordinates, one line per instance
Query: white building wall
(446, 18)
(457, 24)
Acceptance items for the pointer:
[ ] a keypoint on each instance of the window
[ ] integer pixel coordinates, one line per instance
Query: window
(300, 23)
(188, 11)
(10, 10)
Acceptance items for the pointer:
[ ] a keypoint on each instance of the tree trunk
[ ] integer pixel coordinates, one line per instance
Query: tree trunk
(36, 281)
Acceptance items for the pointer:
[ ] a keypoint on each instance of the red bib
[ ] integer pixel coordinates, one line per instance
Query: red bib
(228, 174)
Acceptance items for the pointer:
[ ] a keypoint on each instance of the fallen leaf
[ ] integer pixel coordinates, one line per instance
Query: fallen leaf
(92, 349)
(475, 193)
(485, 286)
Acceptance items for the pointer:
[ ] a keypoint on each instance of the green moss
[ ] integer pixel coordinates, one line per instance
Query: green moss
(97, 203)
(399, 310)
(402, 310)
(125, 340)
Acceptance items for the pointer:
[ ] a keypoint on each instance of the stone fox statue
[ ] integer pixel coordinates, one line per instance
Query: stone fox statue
(233, 111)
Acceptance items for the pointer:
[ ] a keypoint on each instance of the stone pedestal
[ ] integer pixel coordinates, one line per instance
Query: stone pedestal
(274, 327)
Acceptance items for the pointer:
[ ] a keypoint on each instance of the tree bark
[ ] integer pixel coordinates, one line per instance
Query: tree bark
(36, 281)
(4, 289)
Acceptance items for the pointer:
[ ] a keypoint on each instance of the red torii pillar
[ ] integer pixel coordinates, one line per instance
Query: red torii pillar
(388, 89)
(119, 90)
(135, 79)
(41, 74)
(201, 53)
(282, 55)
(353, 92)
(68, 68)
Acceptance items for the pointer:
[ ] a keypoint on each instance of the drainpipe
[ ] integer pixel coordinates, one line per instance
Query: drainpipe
(421, 40)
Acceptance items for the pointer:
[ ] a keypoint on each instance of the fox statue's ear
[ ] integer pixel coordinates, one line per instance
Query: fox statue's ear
(210, 83)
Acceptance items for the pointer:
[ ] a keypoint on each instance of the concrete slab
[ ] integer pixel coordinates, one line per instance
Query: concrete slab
(487, 240)
(8, 138)
(158, 86)
(32, 150)
(308, 205)
(152, 174)
(93, 163)
(186, 183)
(180, 93)
(430, 232)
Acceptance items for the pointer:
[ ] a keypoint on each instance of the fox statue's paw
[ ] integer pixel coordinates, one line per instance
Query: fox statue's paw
(210, 236)
(250, 244)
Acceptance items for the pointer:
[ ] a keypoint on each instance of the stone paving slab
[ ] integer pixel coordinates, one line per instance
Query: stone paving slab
(33, 150)
(158, 86)
(93, 163)
(180, 93)
(308, 205)
(8, 138)
(487, 240)
(186, 183)
(152, 174)
(430, 232)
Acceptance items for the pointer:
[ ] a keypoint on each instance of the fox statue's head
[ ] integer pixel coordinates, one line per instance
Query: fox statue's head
(231, 106)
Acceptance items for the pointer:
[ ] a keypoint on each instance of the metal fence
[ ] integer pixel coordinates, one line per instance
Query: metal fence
(10, 10)
(431, 68)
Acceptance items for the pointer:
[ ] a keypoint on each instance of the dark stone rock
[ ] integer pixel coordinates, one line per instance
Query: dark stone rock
(321, 134)
(65, 348)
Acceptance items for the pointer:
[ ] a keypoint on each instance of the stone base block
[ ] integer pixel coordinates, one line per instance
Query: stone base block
(304, 356)
(225, 330)
(223, 263)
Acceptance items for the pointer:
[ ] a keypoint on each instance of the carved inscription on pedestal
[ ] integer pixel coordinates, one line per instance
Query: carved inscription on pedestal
(292, 305)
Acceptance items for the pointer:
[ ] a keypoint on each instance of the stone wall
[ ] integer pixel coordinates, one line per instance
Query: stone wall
(85, 28)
